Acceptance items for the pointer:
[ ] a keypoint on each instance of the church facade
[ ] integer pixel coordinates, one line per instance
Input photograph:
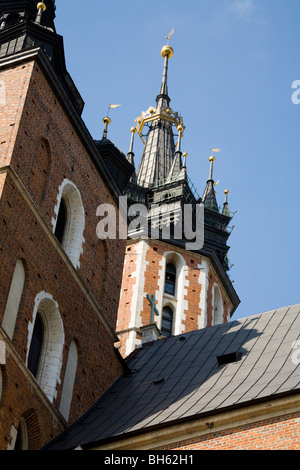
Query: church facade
(58, 304)
(121, 343)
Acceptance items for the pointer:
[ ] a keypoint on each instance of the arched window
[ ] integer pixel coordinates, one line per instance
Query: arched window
(45, 344)
(61, 223)
(167, 322)
(22, 438)
(68, 226)
(28, 434)
(14, 299)
(217, 306)
(69, 380)
(36, 345)
(170, 280)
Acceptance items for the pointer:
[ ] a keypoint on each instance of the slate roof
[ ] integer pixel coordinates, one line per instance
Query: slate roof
(181, 377)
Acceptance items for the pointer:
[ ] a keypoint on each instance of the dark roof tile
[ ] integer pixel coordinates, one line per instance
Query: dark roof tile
(178, 379)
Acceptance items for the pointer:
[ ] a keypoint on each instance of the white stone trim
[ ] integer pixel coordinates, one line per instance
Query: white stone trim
(178, 304)
(48, 375)
(73, 238)
(203, 281)
(217, 305)
(138, 294)
(14, 299)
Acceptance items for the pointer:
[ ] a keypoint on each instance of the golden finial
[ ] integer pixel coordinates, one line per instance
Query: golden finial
(167, 51)
(106, 120)
(226, 192)
(185, 155)
(133, 130)
(41, 6)
(212, 159)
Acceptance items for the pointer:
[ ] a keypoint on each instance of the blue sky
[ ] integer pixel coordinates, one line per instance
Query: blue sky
(231, 79)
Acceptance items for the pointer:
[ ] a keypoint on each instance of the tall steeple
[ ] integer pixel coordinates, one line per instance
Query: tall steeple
(209, 196)
(159, 151)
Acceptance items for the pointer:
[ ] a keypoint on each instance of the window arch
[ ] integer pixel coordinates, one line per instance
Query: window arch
(68, 226)
(28, 434)
(172, 287)
(170, 279)
(36, 345)
(45, 344)
(217, 306)
(21, 442)
(14, 299)
(69, 380)
(167, 321)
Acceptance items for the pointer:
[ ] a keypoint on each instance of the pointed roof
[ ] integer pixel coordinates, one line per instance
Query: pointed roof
(226, 210)
(194, 375)
(159, 151)
(209, 195)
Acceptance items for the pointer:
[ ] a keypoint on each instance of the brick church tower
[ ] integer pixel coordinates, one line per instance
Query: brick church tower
(60, 284)
(172, 283)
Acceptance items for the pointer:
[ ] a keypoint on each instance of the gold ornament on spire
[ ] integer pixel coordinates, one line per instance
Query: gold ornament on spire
(41, 6)
(167, 51)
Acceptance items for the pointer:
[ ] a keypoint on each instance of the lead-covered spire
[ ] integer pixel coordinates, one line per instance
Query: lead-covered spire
(209, 196)
(159, 152)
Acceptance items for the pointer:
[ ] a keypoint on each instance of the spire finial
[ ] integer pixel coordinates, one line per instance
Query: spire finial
(180, 129)
(226, 192)
(133, 131)
(185, 155)
(106, 121)
(41, 7)
(212, 161)
(226, 210)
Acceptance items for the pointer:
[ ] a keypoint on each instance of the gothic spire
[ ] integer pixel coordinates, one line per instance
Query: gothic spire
(226, 210)
(209, 196)
(159, 149)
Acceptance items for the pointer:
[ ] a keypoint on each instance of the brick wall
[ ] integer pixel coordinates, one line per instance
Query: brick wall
(43, 148)
(144, 273)
(282, 433)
